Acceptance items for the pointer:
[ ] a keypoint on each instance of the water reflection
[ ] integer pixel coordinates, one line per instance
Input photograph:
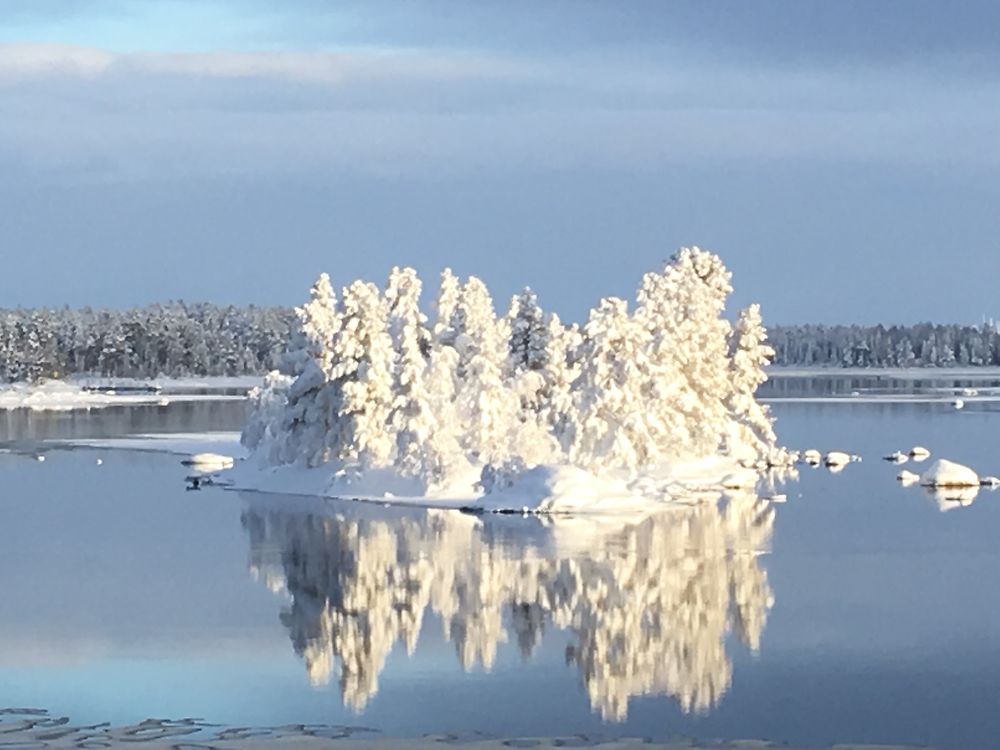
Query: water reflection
(950, 498)
(25, 425)
(649, 602)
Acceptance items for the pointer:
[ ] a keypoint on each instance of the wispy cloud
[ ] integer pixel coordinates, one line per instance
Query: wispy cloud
(69, 110)
(319, 67)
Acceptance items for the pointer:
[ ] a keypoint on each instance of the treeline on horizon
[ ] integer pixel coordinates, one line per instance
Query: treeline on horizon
(175, 339)
(920, 345)
(180, 339)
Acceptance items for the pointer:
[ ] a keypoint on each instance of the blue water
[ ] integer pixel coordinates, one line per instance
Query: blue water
(856, 611)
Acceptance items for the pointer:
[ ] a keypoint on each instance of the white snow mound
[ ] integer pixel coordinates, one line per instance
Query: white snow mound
(563, 488)
(944, 473)
(837, 458)
(908, 478)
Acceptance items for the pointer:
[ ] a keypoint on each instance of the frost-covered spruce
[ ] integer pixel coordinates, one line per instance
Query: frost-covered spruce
(609, 415)
(263, 434)
(422, 448)
(447, 301)
(696, 285)
(528, 332)
(360, 390)
(318, 320)
(752, 433)
(487, 407)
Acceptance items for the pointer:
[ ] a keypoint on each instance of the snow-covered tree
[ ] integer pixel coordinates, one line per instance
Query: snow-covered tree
(318, 320)
(360, 389)
(752, 433)
(689, 359)
(610, 428)
(528, 332)
(447, 301)
(264, 433)
(487, 408)
(424, 446)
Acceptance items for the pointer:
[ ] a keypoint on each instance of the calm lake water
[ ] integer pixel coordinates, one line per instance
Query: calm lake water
(856, 611)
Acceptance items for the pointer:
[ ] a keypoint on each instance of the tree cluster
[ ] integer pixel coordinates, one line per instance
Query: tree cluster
(371, 383)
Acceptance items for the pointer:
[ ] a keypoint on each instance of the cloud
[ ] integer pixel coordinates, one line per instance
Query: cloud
(87, 114)
(18, 60)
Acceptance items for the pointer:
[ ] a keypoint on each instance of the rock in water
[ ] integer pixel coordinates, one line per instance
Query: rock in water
(837, 458)
(944, 473)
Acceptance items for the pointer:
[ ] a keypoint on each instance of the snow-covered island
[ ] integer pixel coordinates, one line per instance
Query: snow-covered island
(518, 412)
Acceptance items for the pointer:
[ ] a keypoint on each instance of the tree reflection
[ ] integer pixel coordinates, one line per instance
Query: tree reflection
(649, 602)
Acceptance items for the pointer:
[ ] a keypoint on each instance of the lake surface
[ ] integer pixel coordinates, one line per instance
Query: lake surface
(858, 610)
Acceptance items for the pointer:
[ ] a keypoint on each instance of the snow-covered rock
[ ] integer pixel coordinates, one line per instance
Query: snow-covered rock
(557, 489)
(740, 480)
(837, 458)
(908, 478)
(958, 403)
(919, 453)
(944, 473)
(812, 456)
(896, 457)
(990, 482)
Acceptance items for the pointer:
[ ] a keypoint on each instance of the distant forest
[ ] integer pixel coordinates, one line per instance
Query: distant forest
(179, 339)
(921, 345)
(174, 339)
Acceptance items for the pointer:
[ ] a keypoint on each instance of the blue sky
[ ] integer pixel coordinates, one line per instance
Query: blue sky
(843, 158)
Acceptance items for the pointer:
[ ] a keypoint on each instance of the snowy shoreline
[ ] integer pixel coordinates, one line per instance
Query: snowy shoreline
(85, 393)
(542, 490)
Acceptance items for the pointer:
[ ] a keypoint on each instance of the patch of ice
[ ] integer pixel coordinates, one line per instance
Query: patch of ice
(209, 460)
(57, 395)
(178, 443)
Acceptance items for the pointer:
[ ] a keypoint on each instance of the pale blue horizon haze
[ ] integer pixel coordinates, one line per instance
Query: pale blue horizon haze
(842, 158)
